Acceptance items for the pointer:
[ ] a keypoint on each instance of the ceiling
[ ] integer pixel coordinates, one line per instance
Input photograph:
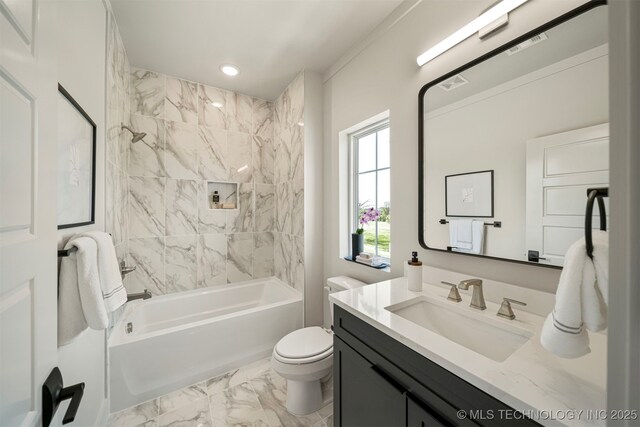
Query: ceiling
(269, 40)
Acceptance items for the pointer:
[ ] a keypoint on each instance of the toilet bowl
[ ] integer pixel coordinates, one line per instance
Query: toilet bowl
(305, 356)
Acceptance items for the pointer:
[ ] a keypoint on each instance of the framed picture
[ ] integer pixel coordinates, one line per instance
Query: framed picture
(76, 163)
(469, 194)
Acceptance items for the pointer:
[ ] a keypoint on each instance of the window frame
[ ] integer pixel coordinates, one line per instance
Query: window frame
(354, 172)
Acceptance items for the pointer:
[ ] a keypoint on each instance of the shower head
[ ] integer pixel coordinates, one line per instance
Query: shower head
(137, 136)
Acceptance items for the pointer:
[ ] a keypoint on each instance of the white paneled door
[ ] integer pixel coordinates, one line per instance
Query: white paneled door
(560, 169)
(28, 270)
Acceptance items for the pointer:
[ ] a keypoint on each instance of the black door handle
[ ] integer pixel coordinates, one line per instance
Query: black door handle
(53, 393)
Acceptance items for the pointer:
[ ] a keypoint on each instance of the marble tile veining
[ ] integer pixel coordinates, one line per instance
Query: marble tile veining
(264, 207)
(135, 416)
(212, 259)
(239, 157)
(239, 257)
(146, 157)
(241, 218)
(146, 207)
(239, 110)
(147, 93)
(263, 159)
(237, 405)
(181, 101)
(172, 401)
(181, 150)
(262, 118)
(263, 254)
(180, 263)
(148, 255)
(196, 414)
(212, 154)
(181, 207)
(212, 107)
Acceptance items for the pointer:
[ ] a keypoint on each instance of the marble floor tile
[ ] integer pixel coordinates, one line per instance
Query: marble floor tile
(194, 414)
(136, 415)
(182, 397)
(237, 405)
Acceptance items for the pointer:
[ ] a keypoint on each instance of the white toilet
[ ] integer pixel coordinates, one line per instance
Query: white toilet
(304, 357)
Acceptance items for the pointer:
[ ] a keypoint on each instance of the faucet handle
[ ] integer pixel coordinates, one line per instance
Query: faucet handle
(454, 295)
(505, 308)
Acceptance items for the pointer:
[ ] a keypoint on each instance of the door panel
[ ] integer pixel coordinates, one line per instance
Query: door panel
(367, 398)
(28, 269)
(560, 169)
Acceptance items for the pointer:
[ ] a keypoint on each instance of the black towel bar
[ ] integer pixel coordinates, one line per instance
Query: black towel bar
(496, 224)
(67, 252)
(594, 194)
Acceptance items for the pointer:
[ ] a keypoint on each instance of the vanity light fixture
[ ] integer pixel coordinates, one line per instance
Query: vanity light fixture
(500, 9)
(229, 70)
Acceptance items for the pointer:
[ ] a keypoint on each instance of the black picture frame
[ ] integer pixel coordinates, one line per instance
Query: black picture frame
(585, 7)
(91, 220)
(446, 195)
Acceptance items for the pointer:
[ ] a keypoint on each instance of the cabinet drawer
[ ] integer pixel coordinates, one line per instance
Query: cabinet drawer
(427, 381)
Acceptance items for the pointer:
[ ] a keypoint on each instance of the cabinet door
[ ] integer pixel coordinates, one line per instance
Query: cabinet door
(420, 415)
(365, 395)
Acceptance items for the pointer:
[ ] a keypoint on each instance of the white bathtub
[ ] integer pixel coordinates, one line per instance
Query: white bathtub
(187, 337)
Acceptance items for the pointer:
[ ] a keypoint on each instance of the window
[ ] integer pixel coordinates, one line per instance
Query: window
(372, 185)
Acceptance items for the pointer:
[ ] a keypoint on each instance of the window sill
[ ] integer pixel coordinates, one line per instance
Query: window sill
(386, 268)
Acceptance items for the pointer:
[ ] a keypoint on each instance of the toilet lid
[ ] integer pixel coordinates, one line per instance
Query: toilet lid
(305, 343)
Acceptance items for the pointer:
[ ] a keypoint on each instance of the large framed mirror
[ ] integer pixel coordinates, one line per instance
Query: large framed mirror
(510, 143)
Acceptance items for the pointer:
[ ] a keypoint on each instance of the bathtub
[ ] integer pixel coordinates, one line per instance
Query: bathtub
(183, 338)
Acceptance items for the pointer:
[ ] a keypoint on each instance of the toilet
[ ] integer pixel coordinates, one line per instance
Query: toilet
(305, 356)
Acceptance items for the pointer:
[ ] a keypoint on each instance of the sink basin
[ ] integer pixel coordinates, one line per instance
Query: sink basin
(492, 338)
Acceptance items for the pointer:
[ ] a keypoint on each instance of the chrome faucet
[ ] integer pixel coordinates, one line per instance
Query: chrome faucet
(140, 295)
(477, 299)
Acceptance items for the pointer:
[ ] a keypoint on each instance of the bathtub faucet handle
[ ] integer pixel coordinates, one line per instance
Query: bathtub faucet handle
(124, 270)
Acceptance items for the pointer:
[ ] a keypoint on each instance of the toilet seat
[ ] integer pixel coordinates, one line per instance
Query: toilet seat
(303, 346)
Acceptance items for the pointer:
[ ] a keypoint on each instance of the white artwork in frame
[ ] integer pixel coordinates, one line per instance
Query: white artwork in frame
(76, 163)
(469, 194)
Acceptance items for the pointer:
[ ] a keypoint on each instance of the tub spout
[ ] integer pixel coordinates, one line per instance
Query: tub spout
(141, 295)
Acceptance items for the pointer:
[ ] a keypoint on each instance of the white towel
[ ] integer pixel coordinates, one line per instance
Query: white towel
(80, 302)
(460, 233)
(476, 246)
(113, 291)
(581, 299)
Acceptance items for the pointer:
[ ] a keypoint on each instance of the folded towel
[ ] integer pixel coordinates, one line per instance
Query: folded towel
(80, 302)
(362, 260)
(581, 302)
(113, 291)
(476, 246)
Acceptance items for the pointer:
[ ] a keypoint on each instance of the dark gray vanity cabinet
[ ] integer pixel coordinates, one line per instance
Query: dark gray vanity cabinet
(379, 382)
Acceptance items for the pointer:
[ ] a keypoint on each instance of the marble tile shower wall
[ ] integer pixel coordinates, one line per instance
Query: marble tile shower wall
(289, 184)
(118, 140)
(196, 134)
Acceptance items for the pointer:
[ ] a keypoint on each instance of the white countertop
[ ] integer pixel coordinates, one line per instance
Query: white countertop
(547, 388)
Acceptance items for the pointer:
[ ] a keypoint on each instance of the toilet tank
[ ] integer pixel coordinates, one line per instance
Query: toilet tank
(337, 284)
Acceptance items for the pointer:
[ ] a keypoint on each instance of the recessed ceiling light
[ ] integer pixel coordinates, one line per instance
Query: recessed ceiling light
(217, 104)
(230, 70)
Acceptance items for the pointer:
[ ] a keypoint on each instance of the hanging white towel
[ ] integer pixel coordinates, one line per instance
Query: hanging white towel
(477, 238)
(460, 233)
(113, 291)
(80, 301)
(581, 299)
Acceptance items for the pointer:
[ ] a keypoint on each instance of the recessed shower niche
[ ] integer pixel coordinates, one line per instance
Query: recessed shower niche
(222, 195)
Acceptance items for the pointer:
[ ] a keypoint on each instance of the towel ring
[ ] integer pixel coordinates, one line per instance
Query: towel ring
(593, 195)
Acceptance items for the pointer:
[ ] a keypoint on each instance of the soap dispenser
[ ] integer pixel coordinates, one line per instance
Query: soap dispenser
(414, 273)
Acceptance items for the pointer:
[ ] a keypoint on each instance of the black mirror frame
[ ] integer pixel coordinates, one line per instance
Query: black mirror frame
(592, 4)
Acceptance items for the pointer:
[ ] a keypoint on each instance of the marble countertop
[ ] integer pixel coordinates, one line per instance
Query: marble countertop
(551, 390)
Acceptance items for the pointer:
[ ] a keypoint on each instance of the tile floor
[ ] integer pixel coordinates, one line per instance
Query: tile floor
(253, 395)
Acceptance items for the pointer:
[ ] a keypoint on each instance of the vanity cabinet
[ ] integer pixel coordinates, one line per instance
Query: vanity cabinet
(379, 382)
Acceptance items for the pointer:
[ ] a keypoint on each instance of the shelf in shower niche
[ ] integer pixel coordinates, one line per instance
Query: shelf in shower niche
(228, 195)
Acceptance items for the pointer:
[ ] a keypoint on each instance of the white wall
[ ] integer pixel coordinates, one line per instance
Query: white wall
(81, 70)
(490, 131)
(313, 214)
(384, 76)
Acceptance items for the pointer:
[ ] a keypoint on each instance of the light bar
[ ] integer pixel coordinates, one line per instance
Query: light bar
(470, 29)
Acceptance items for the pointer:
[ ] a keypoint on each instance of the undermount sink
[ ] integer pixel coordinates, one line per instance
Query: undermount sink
(492, 338)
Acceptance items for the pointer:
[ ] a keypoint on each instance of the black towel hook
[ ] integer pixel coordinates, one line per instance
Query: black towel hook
(594, 194)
